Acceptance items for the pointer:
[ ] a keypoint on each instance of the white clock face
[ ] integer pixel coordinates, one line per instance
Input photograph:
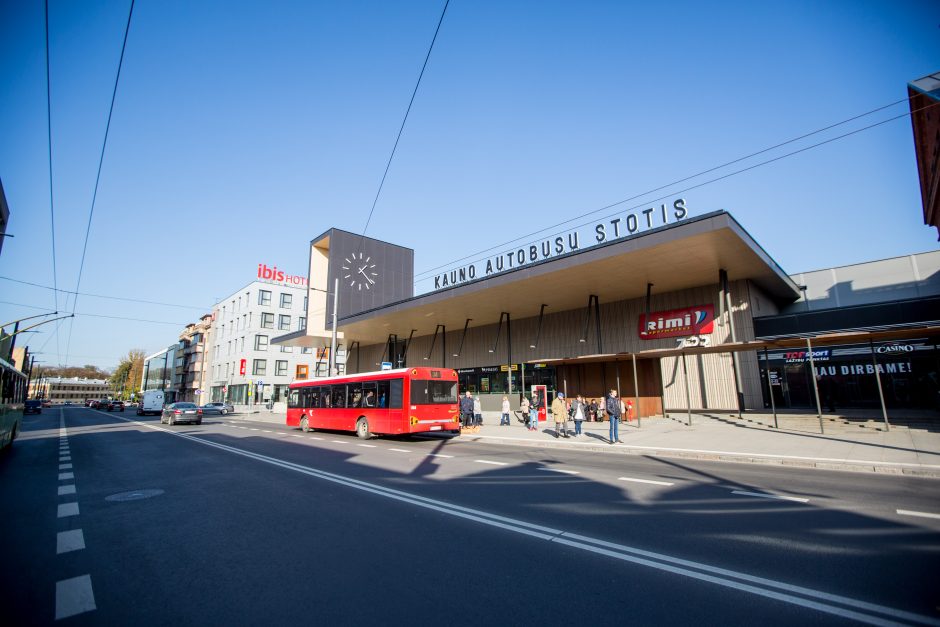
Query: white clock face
(359, 271)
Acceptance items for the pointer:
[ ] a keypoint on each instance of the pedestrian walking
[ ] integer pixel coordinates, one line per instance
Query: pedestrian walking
(577, 414)
(504, 418)
(560, 413)
(477, 412)
(466, 410)
(524, 410)
(612, 405)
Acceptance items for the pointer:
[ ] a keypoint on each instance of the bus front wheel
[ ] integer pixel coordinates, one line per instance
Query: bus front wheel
(362, 428)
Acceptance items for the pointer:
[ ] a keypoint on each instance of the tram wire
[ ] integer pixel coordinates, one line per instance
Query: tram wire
(94, 197)
(55, 278)
(427, 274)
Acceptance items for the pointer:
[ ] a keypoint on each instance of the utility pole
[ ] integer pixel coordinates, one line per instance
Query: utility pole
(333, 337)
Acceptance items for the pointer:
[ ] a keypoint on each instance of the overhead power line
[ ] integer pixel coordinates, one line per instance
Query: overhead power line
(121, 298)
(94, 197)
(405, 119)
(90, 315)
(55, 278)
(474, 256)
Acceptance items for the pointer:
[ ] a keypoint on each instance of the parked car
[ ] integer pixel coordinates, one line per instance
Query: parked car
(32, 407)
(217, 408)
(181, 412)
(115, 405)
(151, 403)
(101, 404)
(46, 403)
(89, 401)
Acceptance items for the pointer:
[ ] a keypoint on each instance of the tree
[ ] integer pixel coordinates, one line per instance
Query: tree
(127, 376)
(87, 371)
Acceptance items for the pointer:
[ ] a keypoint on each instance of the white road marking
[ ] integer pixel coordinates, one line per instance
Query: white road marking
(337, 441)
(66, 489)
(72, 540)
(65, 458)
(67, 509)
(64, 466)
(73, 596)
(439, 455)
(266, 431)
(296, 435)
(313, 437)
(253, 429)
(778, 497)
(810, 598)
(486, 461)
(908, 512)
(368, 445)
(399, 450)
(560, 470)
(644, 481)
(66, 475)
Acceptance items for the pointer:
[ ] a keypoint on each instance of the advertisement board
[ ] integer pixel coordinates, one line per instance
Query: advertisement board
(697, 320)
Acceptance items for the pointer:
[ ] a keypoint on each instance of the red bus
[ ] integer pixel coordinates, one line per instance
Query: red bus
(393, 402)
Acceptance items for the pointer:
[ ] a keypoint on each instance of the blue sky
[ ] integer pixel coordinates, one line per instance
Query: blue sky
(241, 130)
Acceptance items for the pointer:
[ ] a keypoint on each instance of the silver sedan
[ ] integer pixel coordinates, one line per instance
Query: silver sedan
(217, 408)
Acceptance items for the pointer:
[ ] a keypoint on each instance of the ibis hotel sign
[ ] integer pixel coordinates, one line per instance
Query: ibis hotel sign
(698, 320)
(609, 230)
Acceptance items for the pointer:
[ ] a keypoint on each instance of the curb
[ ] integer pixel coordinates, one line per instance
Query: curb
(885, 468)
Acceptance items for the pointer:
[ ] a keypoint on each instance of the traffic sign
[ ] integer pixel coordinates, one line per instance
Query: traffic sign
(386, 365)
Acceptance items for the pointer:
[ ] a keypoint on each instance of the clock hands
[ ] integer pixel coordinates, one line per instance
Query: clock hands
(368, 278)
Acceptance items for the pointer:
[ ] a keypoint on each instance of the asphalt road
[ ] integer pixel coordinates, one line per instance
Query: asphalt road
(238, 523)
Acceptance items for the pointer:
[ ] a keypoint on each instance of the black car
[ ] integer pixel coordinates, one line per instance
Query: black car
(32, 407)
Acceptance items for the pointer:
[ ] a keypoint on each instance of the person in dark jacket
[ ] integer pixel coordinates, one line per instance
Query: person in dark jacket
(466, 409)
(612, 405)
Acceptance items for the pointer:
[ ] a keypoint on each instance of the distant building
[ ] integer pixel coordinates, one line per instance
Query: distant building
(924, 97)
(73, 390)
(191, 366)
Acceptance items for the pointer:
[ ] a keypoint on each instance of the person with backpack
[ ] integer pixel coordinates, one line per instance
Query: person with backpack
(612, 405)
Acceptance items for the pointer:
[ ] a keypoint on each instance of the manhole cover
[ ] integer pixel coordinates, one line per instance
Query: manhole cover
(133, 495)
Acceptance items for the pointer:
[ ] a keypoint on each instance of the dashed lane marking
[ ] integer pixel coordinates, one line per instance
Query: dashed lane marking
(337, 441)
(561, 471)
(368, 445)
(64, 466)
(73, 596)
(253, 429)
(486, 461)
(66, 489)
(439, 455)
(778, 497)
(67, 509)
(296, 435)
(66, 475)
(650, 481)
(908, 512)
(65, 458)
(399, 450)
(313, 437)
(71, 540)
(266, 431)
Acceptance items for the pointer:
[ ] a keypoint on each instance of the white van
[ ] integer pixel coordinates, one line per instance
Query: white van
(151, 403)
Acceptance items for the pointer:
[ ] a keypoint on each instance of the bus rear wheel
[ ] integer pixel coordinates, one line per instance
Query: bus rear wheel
(304, 425)
(362, 428)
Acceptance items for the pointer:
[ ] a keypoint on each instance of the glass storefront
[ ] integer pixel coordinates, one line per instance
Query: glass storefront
(845, 376)
(495, 379)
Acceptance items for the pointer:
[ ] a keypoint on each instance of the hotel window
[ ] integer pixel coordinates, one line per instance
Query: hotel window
(301, 323)
(261, 342)
(286, 300)
(283, 322)
(267, 320)
(305, 303)
(302, 371)
(306, 350)
(264, 297)
(287, 349)
(259, 366)
(280, 368)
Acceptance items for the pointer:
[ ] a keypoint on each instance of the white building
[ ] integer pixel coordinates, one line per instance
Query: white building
(245, 368)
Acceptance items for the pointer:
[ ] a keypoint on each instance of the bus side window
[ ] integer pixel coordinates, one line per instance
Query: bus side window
(339, 395)
(369, 398)
(395, 392)
(382, 393)
(326, 396)
(314, 399)
(354, 397)
(294, 399)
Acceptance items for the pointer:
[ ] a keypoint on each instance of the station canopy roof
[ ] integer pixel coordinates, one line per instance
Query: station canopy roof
(674, 257)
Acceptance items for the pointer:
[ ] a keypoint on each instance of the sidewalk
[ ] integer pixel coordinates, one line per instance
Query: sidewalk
(861, 447)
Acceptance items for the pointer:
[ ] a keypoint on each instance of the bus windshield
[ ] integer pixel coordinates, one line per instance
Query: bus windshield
(433, 392)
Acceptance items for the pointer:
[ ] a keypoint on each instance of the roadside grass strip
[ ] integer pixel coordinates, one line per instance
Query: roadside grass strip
(833, 604)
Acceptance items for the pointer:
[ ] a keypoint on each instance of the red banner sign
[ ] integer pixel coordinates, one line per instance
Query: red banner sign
(698, 320)
(242, 366)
